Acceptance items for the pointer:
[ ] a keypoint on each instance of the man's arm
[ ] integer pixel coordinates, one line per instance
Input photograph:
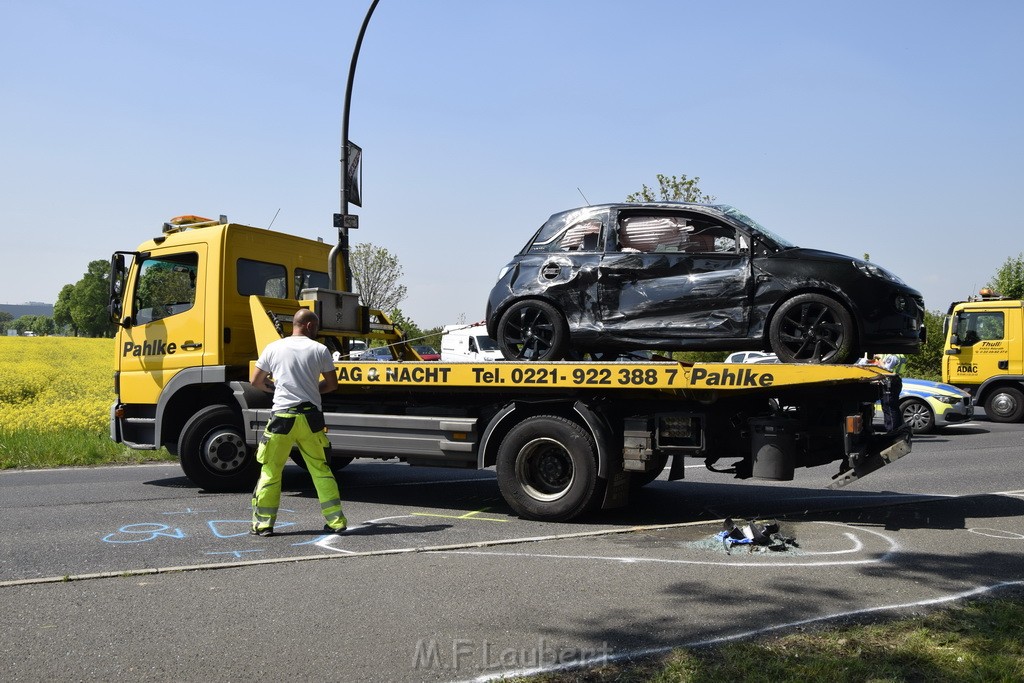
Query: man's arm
(259, 378)
(329, 383)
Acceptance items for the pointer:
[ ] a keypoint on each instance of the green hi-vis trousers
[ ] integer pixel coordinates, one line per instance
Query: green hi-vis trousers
(286, 430)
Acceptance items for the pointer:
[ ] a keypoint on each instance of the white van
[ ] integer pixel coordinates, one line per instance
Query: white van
(356, 348)
(468, 343)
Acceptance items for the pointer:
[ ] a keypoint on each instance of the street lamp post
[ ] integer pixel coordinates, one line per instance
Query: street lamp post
(343, 221)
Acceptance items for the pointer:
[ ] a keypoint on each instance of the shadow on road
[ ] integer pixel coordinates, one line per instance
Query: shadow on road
(660, 502)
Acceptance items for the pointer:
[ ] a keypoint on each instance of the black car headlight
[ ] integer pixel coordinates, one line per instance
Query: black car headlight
(871, 270)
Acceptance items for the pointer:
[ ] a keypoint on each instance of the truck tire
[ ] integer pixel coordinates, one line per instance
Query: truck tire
(918, 415)
(213, 451)
(812, 328)
(533, 330)
(1005, 404)
(547, 469)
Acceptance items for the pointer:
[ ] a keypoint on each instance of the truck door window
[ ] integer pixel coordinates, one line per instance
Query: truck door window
(981, 326)
(307, 279)
(262, 279)
(166, 287)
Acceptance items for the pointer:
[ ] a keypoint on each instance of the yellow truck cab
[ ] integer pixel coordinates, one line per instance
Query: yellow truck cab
(196, 304)
(185, 331)
(984, 353)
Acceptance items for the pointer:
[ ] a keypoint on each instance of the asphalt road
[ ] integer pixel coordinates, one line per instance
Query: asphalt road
(132, 573)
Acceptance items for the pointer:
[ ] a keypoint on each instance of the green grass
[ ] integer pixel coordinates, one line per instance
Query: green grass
(981, 640)
(41, 449)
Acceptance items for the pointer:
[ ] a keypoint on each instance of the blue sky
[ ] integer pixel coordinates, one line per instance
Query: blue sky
(893, 129)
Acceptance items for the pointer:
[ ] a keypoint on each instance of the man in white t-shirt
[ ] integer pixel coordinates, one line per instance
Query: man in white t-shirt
(296, 364)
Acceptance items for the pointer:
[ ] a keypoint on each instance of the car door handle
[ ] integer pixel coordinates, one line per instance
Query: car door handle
(191, 346)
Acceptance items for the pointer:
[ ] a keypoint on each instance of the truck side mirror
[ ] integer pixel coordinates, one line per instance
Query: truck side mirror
(116, 288)
(116, 285)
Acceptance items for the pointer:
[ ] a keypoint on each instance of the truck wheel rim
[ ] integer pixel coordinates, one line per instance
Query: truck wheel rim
(1004, 404)
(544, 469)
(224, 452)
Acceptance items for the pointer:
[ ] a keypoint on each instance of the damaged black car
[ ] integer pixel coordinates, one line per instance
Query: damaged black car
(604, 280)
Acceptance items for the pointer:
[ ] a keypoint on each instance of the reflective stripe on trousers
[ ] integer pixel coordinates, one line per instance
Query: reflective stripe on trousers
(273, 455)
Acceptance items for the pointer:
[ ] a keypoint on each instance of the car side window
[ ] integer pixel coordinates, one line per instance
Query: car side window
(582, 236)
(675, 234)
(652, 233)
(717, 239)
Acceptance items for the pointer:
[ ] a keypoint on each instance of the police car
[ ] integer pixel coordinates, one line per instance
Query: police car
(927, 405)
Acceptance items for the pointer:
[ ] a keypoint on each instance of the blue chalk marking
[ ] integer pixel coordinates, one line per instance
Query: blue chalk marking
(151, 534)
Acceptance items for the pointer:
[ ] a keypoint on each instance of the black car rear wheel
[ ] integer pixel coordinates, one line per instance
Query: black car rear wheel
(812, 328)
(533, 330)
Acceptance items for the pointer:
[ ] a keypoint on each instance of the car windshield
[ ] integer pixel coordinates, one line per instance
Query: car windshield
(546, 239)
(736, 214)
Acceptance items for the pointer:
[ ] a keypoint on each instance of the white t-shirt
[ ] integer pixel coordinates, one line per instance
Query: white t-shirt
(296, 364)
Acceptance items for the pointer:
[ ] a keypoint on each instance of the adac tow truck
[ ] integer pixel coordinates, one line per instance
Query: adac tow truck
(196, 304)
(984, 353)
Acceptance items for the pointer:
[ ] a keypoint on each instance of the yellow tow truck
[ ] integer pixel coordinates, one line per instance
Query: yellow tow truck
(984, 353)
(196, 304)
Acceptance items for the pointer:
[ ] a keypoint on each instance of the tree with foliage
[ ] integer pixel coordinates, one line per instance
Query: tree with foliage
(88, 301)
(927, 363)
(375, 275)
(62, 310)
(1009, 279)
(673, 189)
(407, 325)
(22, 324)
(5, 321)
(43, 326)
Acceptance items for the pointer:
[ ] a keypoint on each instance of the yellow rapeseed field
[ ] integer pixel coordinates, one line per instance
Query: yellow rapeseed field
(52, 384)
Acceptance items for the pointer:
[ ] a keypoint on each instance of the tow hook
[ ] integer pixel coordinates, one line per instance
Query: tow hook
(890, 447)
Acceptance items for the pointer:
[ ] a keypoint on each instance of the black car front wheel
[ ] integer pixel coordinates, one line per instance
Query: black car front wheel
(533, 330)
(812, 328)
